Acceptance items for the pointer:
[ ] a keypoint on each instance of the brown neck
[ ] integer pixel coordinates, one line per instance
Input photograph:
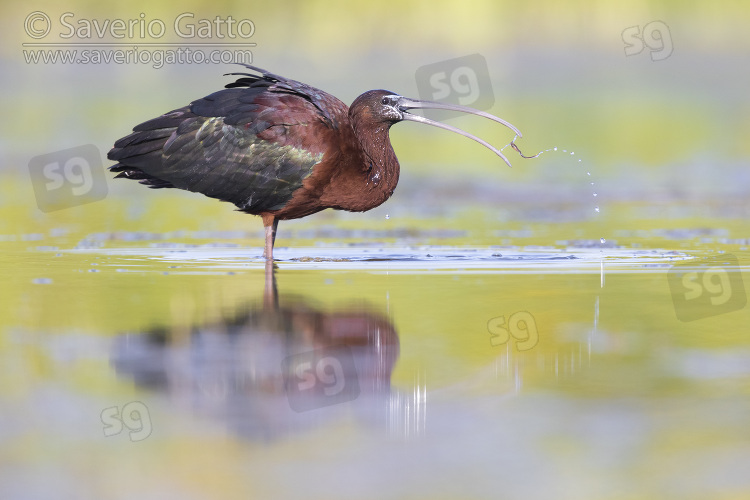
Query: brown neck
(370, 173)
(380, 165)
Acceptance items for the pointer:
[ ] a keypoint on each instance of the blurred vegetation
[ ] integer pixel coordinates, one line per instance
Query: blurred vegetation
(559, 73)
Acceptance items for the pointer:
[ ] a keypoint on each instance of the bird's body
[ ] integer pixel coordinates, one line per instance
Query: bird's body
(275, 147)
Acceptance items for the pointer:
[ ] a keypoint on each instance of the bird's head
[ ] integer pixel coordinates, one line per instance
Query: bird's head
(382, 107)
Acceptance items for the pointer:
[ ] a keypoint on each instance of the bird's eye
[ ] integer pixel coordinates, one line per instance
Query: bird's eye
(384, 101)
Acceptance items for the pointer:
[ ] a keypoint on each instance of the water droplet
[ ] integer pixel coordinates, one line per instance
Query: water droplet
(572, 152)
(588, 173)
(602, 240)
(387, 216)
(591, 183)
(565, 150)
(596, 209)
(554, 149)
(596, 194)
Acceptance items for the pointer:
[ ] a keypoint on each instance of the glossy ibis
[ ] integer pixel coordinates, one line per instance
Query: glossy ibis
(278, 148)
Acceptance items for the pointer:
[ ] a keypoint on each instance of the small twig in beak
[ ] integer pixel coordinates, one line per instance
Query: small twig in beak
(513, 145)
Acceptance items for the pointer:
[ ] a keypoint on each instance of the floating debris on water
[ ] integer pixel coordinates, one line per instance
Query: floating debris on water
(319, 259)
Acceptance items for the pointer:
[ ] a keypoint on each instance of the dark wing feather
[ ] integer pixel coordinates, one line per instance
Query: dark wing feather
(246, 144)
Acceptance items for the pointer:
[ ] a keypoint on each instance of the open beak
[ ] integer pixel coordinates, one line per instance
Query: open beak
(405, 104)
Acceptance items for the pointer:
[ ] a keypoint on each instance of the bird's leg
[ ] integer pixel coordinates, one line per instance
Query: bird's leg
(270, 224)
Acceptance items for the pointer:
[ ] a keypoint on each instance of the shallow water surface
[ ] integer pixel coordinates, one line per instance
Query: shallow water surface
(174, 366)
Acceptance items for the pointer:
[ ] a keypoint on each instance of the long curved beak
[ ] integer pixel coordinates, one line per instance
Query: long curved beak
(405, 104)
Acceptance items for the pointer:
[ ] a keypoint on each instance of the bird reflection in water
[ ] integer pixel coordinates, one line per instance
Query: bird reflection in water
(271, 369)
